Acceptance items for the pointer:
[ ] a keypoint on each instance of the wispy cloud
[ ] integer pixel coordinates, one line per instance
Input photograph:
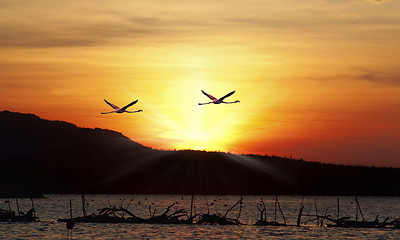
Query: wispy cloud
(119, 26)
(377, 1)
(388, 77)
(380, 76)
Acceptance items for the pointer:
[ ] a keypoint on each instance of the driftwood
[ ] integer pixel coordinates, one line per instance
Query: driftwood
(346, 222)
(216, 219)
(19, 216)
(171, 218)
(107, 215)
(111, 214)
(11, 216)
(219, 219)
(120, 214)
(115, 214)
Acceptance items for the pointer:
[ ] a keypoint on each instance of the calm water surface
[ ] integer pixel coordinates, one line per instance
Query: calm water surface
(57, 206)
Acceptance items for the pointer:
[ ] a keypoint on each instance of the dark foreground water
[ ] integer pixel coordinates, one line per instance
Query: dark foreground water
(57, 206)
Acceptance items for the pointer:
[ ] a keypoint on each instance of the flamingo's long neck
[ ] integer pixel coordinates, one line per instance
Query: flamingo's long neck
(108, 112)
(205, 103)
(133, 111)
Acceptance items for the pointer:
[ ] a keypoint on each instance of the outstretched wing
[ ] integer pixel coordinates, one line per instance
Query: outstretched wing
(208, 95)
(130, 104)
(227, 95)
(112, 105)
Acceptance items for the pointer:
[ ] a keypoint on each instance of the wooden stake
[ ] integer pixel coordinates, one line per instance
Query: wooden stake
(70, 208)
(358, 206)
(9, 205)
(276, 197)
(191, 206)
(356, 211)
(280, 209)
(17, 207)
(300, 212)
(149, 211)
(83, 205)
(338, 209)
(240, 208)
(208, 207)
(33, 208)
(316, 211)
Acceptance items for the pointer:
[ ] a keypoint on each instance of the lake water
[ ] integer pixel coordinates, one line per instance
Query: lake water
(57, 206)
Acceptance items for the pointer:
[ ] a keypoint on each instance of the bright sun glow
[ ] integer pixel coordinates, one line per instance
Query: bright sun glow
(185, 124)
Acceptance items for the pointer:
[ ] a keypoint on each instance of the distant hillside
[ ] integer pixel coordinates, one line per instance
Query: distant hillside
(58, 157)
(24, 134)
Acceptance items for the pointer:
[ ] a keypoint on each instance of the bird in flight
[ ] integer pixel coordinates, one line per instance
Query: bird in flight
(218, 101)
(121, 110)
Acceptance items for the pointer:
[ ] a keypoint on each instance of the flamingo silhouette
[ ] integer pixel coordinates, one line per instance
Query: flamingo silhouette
(121, 110)
(218, 101)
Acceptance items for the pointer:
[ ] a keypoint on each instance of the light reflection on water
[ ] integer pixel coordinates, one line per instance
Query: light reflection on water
(57, 206)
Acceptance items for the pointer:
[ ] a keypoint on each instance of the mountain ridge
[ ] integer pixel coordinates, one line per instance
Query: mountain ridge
(59, 157)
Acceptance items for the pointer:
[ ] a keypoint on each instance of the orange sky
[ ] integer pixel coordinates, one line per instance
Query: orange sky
(318, 80)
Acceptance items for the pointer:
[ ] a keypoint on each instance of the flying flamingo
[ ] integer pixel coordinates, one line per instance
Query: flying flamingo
(218, 101)
(121, 110)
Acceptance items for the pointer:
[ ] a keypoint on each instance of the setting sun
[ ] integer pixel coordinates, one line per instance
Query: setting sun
(185, 124)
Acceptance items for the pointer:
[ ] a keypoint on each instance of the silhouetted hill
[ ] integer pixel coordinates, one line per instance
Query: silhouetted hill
(24, 134)
(58, 157)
